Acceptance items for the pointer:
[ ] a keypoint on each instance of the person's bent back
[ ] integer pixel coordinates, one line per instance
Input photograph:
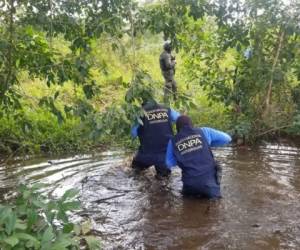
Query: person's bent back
(190, 150)
(154, 135)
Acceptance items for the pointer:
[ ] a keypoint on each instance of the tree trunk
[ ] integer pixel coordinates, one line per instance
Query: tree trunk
(270, 85)
(10, 48)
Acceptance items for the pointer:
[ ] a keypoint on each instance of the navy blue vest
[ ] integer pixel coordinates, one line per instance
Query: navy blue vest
(156, 130)
(193, 153)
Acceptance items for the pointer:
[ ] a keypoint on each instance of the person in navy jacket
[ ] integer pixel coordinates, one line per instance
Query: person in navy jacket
(154, 135)
(190, 150)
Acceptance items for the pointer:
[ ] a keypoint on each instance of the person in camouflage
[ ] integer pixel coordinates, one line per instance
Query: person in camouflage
(167, 65)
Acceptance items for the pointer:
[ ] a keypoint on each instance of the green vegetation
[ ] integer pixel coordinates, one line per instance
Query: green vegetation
(73, 75)
(72, 72)
(34, 222)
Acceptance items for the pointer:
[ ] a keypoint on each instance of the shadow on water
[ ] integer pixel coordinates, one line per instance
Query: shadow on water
(260, 208)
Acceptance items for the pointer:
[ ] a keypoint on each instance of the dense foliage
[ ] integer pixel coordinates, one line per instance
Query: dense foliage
(34, 222)
(259, 43)
(72, 72)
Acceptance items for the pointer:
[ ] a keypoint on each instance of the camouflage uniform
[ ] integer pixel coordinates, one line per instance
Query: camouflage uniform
(167, 65)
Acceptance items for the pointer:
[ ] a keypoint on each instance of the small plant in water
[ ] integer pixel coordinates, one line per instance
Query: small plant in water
(34, 222)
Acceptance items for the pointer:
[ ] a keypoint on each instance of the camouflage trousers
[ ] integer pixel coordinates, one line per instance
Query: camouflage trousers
(170, 89)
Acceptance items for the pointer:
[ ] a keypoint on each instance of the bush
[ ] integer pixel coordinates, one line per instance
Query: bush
(29, 132)
(34, 222)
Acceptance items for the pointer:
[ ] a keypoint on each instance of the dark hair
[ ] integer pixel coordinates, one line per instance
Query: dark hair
(167, 46)
(183, 121)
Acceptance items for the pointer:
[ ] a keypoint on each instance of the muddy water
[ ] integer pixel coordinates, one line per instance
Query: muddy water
(260, 208)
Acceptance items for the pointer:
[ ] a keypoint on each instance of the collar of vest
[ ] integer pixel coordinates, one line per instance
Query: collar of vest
(150, 104)
(186, 127)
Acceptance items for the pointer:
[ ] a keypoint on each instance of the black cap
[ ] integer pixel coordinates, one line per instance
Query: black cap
(183, 121)
(167, 46)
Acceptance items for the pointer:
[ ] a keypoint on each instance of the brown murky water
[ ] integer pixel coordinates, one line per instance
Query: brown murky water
(260, 208)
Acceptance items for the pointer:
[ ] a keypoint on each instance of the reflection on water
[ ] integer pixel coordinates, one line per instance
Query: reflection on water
(260, 208)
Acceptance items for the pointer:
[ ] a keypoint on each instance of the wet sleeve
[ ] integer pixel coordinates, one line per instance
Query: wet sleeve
(174, 115)
(216, 138)
(170, 157)
(134, 131)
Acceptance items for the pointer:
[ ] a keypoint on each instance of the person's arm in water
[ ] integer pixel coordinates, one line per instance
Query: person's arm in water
(170, 157)
(134, 130)
(216, 138)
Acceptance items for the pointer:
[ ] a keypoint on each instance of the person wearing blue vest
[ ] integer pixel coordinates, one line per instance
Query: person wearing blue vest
(154, 135)
(190, 150)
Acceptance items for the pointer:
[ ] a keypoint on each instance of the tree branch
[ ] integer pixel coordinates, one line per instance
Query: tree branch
(269, 92)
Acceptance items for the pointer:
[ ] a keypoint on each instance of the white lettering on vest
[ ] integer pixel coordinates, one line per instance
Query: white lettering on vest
(189, 144)
(157, 116)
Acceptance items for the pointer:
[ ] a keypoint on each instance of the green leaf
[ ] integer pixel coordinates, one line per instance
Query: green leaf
(72, 205)
(32, 217)
(4, 214)
(20, 225)
(92, 242)
(10, 223)
(12, 240)
(26, 194)
(193, 105)
(28, 237)
(56, 95)
(68, 228)
(38, 204)
(88, 91)
(18, 63)
(61, 215)
(52, 205)
(62, 243)
(71, 193)
(48, 235)
(77, 229)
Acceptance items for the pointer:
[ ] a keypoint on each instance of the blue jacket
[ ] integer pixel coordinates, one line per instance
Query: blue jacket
(134, 130)
(154, 134)
(190, 162)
